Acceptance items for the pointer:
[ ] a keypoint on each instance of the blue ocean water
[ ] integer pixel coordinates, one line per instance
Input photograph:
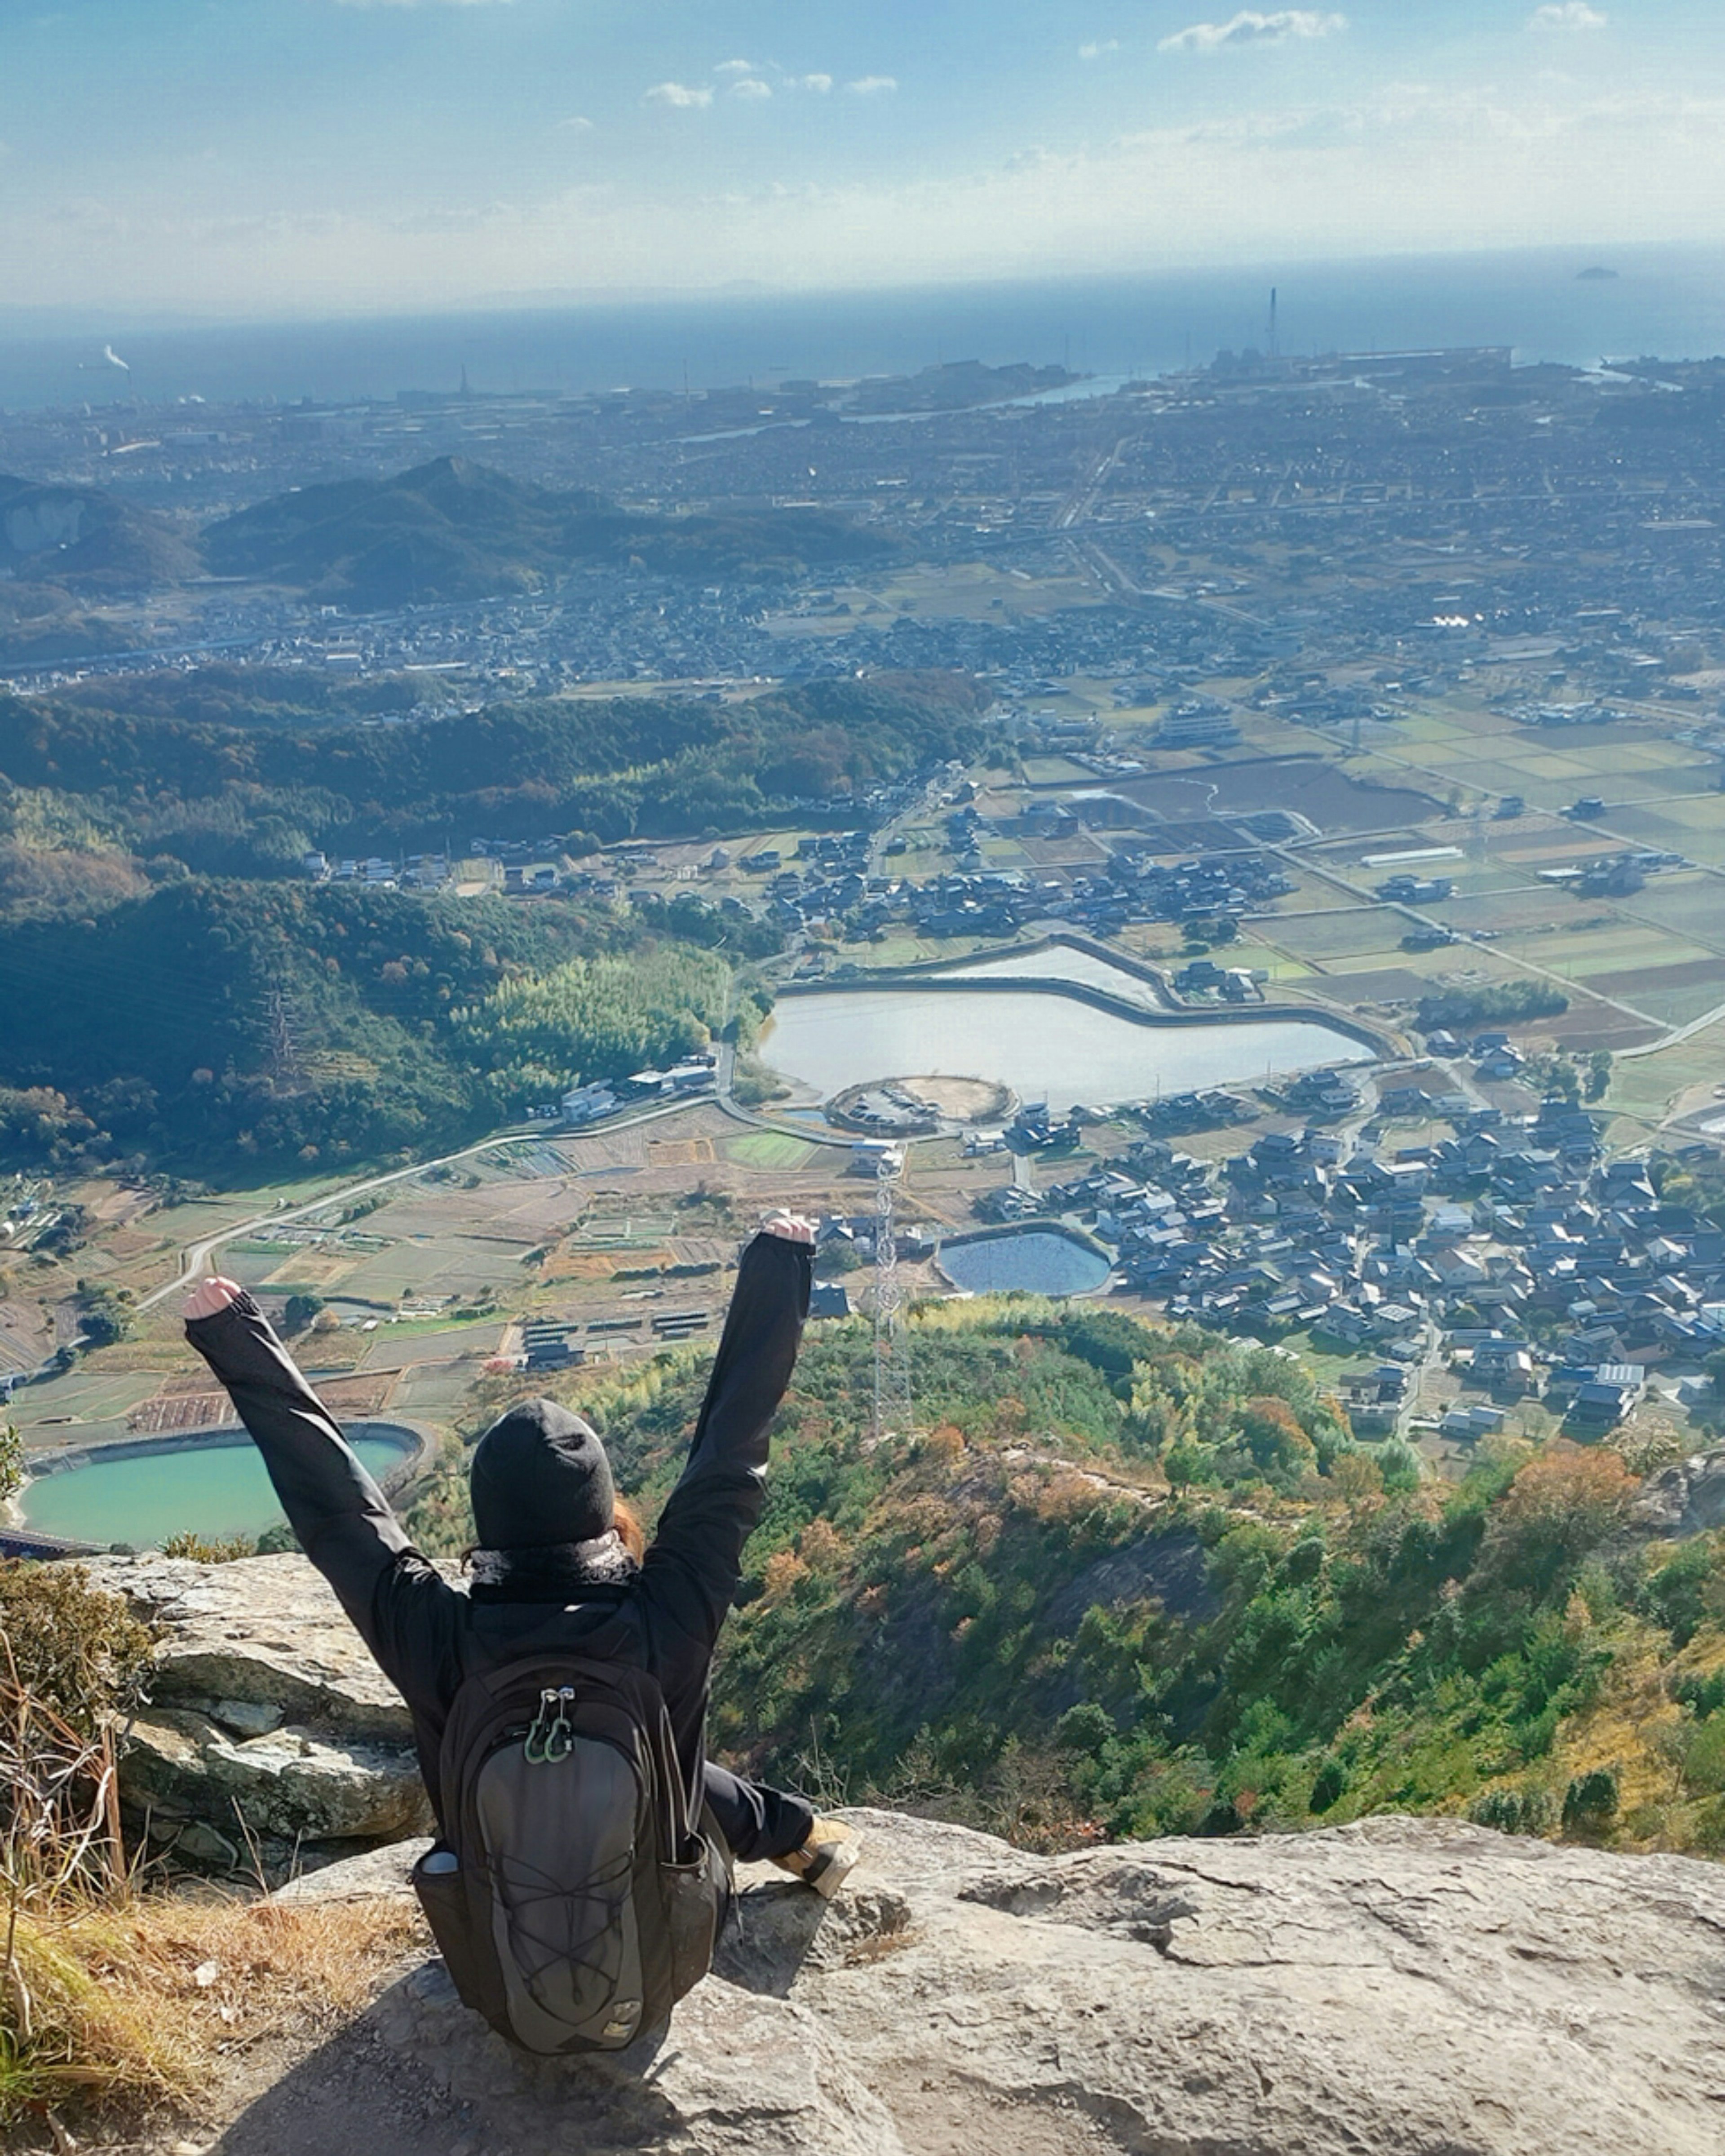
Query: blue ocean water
(1668, 302)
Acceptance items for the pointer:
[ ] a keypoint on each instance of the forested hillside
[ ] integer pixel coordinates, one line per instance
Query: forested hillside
(248, 800)
(173, 995)
(455, 529)
(1017, 1620)
(230, 1028)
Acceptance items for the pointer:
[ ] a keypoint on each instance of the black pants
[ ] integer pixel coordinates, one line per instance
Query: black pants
(757, 1822)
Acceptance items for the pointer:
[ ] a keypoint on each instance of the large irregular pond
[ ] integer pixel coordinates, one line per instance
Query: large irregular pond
(143, 1498)
(1046, 1047)
(1038, 1260)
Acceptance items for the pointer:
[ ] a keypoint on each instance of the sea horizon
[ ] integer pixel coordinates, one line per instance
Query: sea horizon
(1571, 306)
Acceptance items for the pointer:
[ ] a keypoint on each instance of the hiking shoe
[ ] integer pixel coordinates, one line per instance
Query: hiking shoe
(824, 1859)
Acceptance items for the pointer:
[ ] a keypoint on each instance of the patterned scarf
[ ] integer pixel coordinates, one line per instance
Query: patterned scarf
(546, 1573)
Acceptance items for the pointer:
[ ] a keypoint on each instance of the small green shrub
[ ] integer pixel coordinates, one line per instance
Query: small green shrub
(1514, 1811)
(1329, 1786)
(1590, 1802)
(203, 1549)
(1704, 1757)
(76, 1650)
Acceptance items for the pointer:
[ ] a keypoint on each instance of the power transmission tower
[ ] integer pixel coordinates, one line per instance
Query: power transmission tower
(284, 1067)
(893, 1416)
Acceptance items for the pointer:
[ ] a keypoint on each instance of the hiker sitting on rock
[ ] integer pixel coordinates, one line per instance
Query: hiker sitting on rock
(582, 1866)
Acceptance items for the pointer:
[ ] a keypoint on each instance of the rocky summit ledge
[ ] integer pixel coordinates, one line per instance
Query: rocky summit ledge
(265, 1634)
(1395, 1988)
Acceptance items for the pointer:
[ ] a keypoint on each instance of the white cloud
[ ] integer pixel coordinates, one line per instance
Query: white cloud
(735, 67)
(873, 85)
(678, 94)
(1567, 15)
(750, 85)
(1249, 27)
(1095, 51)
(820, 83)
(577, 124)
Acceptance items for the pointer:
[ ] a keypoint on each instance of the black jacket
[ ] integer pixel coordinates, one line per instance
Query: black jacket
(427, 1636)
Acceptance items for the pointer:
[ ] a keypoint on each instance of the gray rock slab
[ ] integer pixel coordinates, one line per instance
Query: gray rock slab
(1395, 1988)
(374, 1873)
(1400, 1985)
(735, 2075)
(294, 1783)
(265, 1634)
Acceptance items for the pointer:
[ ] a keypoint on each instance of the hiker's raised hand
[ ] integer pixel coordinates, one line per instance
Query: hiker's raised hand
(793, 1227)
(208, 1296)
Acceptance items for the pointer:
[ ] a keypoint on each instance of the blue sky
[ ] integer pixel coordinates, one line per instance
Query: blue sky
(268, 158)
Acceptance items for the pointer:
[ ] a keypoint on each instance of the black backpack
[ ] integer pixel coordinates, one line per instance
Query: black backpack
(582, 1903)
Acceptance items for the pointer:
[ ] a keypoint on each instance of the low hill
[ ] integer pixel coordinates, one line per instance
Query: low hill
(82, 535)
(240, 798)
(454, 530)
(218, 1027)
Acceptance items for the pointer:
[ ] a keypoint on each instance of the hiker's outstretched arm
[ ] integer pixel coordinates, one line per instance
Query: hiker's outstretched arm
(692, 1569)
(341, 1517)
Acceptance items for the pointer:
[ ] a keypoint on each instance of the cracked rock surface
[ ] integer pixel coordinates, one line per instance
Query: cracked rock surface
(1396, 1988)
(270, 1732)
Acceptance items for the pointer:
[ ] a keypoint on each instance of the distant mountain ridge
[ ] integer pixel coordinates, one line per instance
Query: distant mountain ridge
(454, 529)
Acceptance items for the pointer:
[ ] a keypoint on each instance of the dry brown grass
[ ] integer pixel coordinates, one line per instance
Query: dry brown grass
(130, 2007)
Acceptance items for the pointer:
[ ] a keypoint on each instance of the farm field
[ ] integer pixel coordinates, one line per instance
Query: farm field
(600, 1234)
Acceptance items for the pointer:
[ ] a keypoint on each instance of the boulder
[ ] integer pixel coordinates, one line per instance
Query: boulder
(1686, 1498)
(262, 1637)
(1399, 1986)
(292, 1784)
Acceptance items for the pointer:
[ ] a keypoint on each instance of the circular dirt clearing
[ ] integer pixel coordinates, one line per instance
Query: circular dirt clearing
(964, 1100)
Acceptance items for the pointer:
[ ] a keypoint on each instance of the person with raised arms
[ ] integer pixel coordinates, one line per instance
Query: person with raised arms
(582, 1866)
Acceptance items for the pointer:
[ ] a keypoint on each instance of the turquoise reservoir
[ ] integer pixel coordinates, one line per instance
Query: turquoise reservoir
(1039, 1262)
(143, 1498)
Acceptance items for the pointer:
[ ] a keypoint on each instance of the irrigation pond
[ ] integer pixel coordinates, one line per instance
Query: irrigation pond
(1033, 1260)
(214, 1486)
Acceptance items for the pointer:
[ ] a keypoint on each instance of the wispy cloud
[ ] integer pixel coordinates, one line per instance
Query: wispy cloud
(577, 123)
(735, 67)
(1567, 15)
(821, 84)
(1095, 50)
(678, 93)
(750, 85)
(873, 85)
(1250, 28)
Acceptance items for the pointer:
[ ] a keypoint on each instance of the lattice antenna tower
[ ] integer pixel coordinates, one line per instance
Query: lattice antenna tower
(284, 1062)
(893, 1414)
